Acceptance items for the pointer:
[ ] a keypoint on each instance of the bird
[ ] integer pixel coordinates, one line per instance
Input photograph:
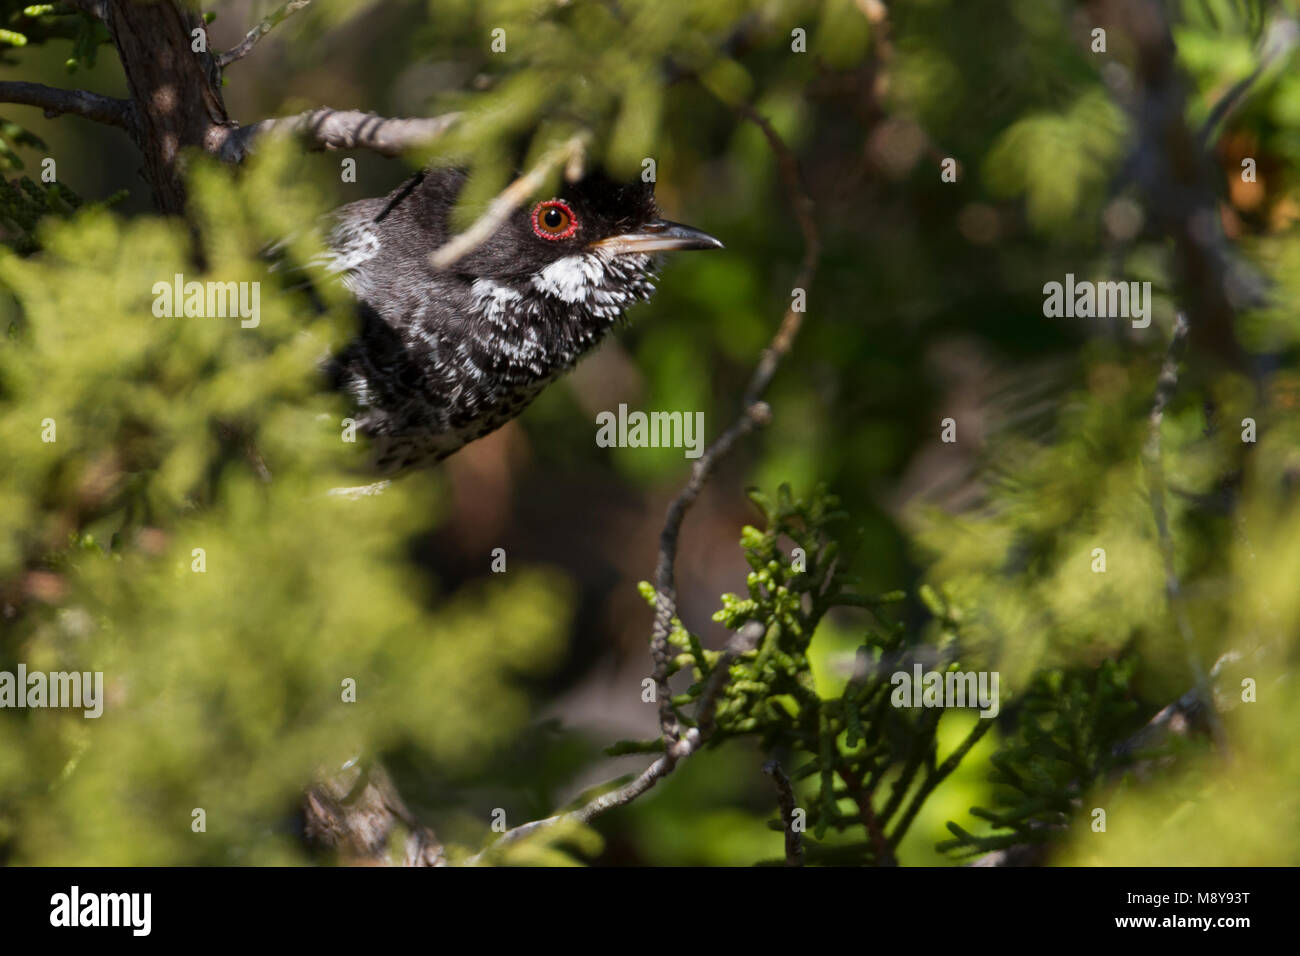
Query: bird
(445, 356)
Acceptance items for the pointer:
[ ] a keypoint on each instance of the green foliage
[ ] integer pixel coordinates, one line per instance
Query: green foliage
(1071, 731)
(847, 746)
(223, 669)
(13, 136)
(23, 204)
(1089, 652)
(23, 23)
(224, 685)
(598, 71)
(1041, 158)
(1197, 809)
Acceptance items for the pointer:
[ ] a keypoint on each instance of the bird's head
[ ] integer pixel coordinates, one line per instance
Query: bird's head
(583, 245)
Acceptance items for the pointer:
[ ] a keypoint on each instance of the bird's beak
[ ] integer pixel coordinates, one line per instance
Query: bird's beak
(658, 236)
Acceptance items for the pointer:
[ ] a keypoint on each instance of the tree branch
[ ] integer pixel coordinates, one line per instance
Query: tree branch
(861, 794)
(785, 800)
(936, 776)
(1166, 385)
(55, 102)
(176, 92)
(340, 129)
(267, 24)
(743, 641)
(754, 413)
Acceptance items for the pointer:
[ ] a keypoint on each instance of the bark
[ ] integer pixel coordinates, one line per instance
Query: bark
(175, 103)
(176, 92)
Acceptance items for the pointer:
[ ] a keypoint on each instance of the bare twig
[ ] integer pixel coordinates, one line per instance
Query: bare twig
(743, 641)
(340, 129)
(754, 412)
(785, 800)
(661, 652)
(507, 201)
(1178, 719)
(267, 24)
(1166, 385)
(55, 102)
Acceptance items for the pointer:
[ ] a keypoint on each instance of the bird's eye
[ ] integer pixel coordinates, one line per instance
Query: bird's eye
(554, 219)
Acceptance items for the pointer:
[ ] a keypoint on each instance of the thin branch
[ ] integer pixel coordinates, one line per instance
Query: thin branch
(754, 412)
(936, 776)
(508, 200)
(1178, 719)
(785, 800)
(743, 641)
(1166, 385)
(803, 206)
(661, 653)
(55, 102)
(340, 129)
(269, 23)
(870, 820)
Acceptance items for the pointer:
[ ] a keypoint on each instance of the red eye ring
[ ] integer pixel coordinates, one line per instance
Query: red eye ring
(559, 227)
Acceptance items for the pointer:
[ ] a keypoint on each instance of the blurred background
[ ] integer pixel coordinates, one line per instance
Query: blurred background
(487, 690)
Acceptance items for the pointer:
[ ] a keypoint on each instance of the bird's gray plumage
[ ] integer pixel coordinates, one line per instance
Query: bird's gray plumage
(444, 357)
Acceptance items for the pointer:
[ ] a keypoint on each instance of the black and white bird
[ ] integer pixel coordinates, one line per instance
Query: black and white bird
(445, 356)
